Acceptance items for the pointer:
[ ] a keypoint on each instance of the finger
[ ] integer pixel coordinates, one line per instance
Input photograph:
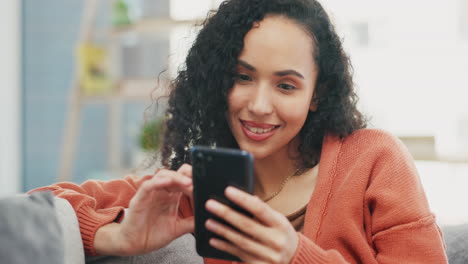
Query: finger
(145, 189)
(231, 249)
(172, 181)
(164, 180)
(174, 175)
(240, 241)
(171, 187)
(174, 186)
(245, 224)
(185, 225)
(185, 170)
(255, 206)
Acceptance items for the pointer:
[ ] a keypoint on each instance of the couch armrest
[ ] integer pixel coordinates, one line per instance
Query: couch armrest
(29, 230)
(181, 250)
(73, 245)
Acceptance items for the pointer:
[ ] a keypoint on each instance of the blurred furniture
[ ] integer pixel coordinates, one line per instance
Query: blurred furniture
(39, 228)
(43, 229)
(181, 250)
(420, 147)
(456, 239)
(123, 90)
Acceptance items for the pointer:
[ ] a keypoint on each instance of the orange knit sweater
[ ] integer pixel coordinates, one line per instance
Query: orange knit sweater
(368, 206)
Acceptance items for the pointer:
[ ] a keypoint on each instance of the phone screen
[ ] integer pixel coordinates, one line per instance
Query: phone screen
(214, 169)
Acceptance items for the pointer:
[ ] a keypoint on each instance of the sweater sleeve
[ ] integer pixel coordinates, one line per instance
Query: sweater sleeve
(308, 252)
(402, 228)
(394, 246)
(97, 203)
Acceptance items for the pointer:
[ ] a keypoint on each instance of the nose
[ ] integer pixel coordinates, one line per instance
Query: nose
(261, 102)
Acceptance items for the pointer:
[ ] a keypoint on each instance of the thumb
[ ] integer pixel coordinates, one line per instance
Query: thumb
(185, 170)
(186, 225)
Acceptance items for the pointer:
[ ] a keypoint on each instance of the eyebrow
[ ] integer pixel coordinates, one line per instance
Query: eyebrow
(278, 73)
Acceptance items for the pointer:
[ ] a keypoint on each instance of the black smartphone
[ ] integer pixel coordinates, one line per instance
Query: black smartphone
(213, 170)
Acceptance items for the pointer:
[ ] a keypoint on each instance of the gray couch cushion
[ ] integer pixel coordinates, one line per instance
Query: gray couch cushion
(181, 250)
(40, 228)
(456, 240)
(29, 230)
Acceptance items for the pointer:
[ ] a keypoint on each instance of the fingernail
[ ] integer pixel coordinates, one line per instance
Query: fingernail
(232, 191)
(210, 224)
(214, 242)
(212, 205)
(186, 180)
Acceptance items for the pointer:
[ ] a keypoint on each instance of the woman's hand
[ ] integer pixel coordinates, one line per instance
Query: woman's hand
(151, 221)
(267, 238)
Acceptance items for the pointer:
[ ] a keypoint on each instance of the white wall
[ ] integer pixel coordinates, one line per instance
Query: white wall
(411, 77)
(10, 179)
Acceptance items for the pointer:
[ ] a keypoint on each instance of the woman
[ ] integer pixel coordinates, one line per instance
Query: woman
(271, 77)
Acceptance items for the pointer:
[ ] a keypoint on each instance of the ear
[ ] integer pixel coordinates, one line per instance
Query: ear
(313, 104)
(318, 91)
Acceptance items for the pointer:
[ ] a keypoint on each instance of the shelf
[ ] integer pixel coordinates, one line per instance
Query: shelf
(142, 89)
(145, 91)
(148, 26)
(131, 90)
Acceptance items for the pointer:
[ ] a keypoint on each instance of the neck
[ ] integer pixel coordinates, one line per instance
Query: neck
(270, 173)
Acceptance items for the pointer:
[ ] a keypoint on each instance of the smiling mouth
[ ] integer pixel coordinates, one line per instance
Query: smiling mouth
(258, 130)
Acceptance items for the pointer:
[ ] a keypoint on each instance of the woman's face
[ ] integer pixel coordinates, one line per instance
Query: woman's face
(275, 82)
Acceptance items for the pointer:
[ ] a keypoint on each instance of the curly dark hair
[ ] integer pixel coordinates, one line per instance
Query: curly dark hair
(197, 106)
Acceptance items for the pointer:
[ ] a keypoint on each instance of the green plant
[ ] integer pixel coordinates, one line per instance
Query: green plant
(150, 135)
(120, 14)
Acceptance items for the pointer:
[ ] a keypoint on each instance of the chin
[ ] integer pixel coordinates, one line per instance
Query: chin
(259, 152)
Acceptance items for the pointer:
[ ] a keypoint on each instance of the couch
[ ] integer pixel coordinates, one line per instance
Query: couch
(40, 228)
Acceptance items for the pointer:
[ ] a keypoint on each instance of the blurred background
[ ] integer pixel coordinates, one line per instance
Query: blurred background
(80, 82)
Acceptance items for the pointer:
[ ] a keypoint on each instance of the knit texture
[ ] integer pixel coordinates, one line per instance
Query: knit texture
(97, 203)
(368, 206)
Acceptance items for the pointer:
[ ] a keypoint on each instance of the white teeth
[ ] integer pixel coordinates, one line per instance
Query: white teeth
(258, 130)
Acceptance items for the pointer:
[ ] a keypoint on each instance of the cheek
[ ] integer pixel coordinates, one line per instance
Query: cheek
(296, 119)
(235, 99)
(295, 112)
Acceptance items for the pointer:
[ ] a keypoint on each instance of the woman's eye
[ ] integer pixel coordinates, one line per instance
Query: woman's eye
(243, 77)
(286, 87)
